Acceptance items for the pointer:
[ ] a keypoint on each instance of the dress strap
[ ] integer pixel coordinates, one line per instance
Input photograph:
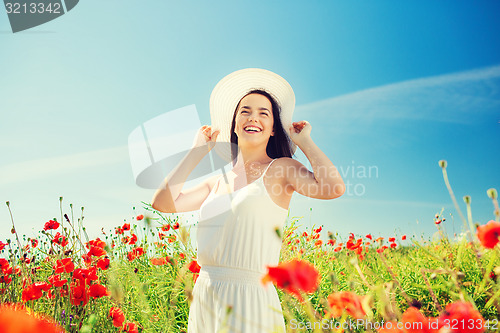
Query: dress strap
(268, 167)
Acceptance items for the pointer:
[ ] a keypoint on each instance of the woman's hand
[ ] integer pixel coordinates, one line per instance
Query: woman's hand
(299, 131)
(205, 136)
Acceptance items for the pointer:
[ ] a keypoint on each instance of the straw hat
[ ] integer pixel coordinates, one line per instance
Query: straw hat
(232, 88)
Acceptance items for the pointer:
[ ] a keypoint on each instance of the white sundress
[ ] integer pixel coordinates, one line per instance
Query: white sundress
(237, 239)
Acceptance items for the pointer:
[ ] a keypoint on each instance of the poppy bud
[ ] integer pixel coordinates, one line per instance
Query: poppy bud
(467, 199)
(443, 164)
(492, 193)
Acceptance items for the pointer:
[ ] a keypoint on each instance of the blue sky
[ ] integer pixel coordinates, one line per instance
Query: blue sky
(395, 86)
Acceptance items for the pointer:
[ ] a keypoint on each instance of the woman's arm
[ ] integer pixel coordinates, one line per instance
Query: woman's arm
(325, 181)
(170, 198)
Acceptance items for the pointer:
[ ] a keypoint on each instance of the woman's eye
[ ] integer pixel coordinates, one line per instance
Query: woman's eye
(264, 113)
(243, 111)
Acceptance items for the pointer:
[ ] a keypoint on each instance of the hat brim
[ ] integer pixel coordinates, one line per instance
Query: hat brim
(233, 87)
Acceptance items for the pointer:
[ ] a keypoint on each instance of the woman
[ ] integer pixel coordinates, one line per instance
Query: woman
(240, 213)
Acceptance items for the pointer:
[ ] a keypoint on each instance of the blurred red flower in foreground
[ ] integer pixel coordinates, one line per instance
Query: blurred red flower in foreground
(294, 277)
(489, 234)
(139, 217)
(15, 319)
(346, 301)
(117, 315)
(2, 245)
(194, 268)
(464, 314)
(51, 225)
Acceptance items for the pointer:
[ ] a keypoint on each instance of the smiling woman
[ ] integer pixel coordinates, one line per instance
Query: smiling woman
(241, 213)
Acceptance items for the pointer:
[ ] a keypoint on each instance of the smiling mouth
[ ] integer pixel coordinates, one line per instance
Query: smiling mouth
(252, 129)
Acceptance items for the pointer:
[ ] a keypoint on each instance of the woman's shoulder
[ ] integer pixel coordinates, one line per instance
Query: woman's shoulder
(283, 166)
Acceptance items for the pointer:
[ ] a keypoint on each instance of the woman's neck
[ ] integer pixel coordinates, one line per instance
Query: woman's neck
(246, 159)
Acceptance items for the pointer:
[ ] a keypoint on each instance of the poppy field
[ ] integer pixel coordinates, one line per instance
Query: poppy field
(139, 277)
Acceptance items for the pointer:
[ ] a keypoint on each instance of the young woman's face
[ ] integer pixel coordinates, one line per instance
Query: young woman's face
(254, 119)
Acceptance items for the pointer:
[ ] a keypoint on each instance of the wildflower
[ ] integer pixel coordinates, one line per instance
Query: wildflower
(338, 249)
(159, 261)
(60, 239)
(403, 237)
(78, 294)
(2, 245)
(85, 274)
(56, 281)
(97, 291)
(294, 276)
(415, 318)
(103, 263)
(437, 222)
(16, 319)
(118, 231)
(117, 315)
(463, 312)
(165, 227)
(31, 293)
(318, 243)
(130, 327)
(318, 230)
(96, 251)
(64, 265)
(126, 227)
(392, 239)
(331, 242)
(489, 234)
(51, 225)
(304, 234)
(346, 301)
(369, 237)
(393, 245)
(182, 255)
(139, 217)
(133, 239)
(176, 226)
(137, 252)
(194, 268)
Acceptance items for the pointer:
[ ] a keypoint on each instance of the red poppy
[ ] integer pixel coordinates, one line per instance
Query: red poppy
(182, 255)
(103, 263)
(133, 239)
(51, 225)
(118, 231)
(160, 261)
(346, 301)
(130, 327)
(34, 243)
(338, 249)
(171, 238)
(194, 267)
(31, 293)
(403, 237)
(393, 245)
(117, 315)
(489, 234)
(60, 239)
(79, 294)
(139, 217)
(369, 237)
(125, 239)
(56, 281)
(165, 227)
(64, 265)
(463, 313)
(97, 291)
(318, 230)
(96, 251)
(2, 245)
(16, 319)
(176, 226)
(85, 275)
(294, 276)
(137, 252)
(126, 226)
(414, 321)
(392, 239)
(331, 242)
(318, 243)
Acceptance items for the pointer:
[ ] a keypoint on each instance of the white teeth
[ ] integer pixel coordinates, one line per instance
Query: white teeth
(252, 128)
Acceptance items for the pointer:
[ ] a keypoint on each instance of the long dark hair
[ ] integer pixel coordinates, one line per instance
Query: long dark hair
(278, 144)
